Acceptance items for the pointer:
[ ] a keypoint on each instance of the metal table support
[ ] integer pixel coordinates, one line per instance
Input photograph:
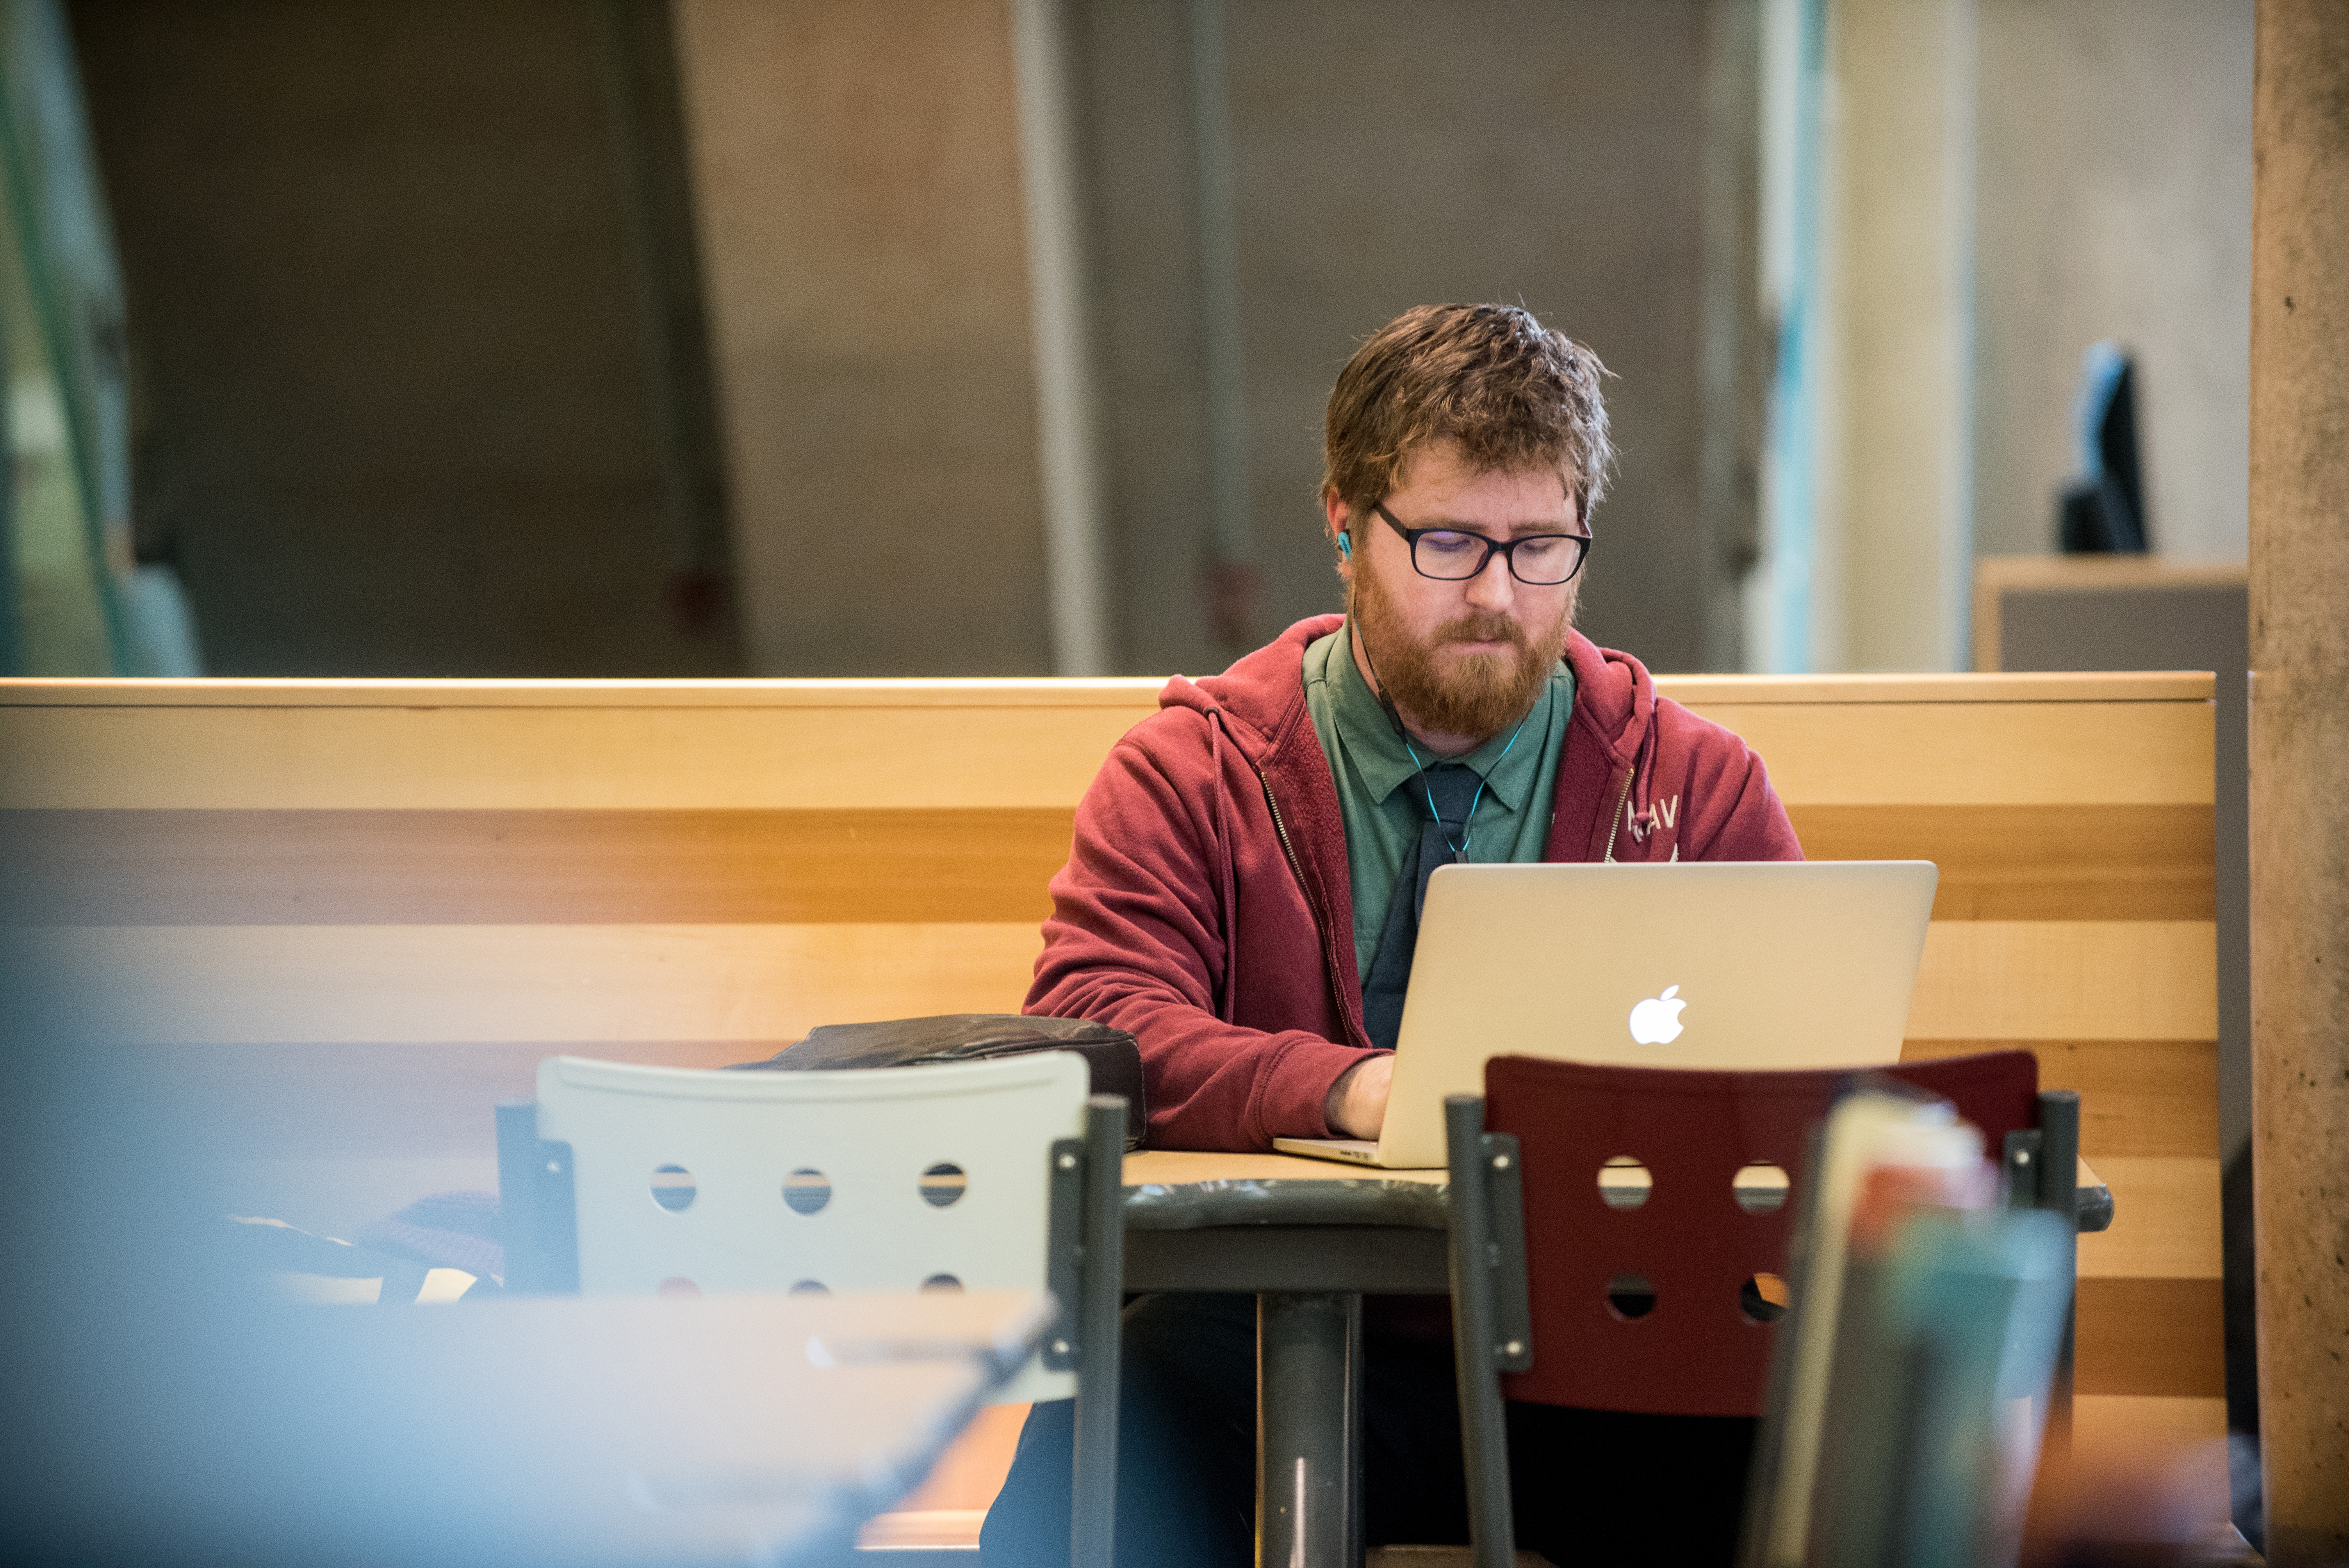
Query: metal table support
(1308, 1250)
(1308, 1427)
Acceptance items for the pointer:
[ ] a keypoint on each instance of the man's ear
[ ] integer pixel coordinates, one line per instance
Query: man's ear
(1340, 520)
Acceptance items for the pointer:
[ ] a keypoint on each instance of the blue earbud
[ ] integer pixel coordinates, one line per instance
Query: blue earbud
(1346, 545)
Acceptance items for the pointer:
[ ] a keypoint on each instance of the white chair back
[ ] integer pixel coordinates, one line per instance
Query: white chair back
(893, 1180)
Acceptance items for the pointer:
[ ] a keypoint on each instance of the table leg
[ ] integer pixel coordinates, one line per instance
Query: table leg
(1309, 1418)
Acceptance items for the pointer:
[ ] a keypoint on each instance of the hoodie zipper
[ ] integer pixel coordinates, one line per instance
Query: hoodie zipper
(1613, 823)
(1320, 917)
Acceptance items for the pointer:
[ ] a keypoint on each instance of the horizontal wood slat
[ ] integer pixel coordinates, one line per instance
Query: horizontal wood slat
(2156, 1098)
(2010, 686)
(946, 756)
(1980, 754)
(1980, 980)
(2067, 980)
(1014, 691)
(2165, 1221)
(2160, 1338)
(579, 759)
(491, 868)
(204, 985)
(955, 691)
(571, 867)
(2129, 1424)
(2035, 863)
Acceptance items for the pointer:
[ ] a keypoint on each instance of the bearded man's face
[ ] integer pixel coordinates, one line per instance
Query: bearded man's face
(1462, 659)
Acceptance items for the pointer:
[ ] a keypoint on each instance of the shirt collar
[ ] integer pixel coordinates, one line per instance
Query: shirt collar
(1379, 755)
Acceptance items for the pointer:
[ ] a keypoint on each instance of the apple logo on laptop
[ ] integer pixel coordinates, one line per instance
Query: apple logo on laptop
(1657, 1021)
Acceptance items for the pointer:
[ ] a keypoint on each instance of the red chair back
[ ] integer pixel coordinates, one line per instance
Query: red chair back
(1696, 1351)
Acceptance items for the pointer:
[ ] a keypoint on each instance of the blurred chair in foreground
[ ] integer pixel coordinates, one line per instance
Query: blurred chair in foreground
(995, 1175)
(1620, 1241)
(1909, 1401)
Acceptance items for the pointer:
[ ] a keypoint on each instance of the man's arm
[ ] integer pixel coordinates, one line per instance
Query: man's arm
(1138, 940)
(1356, 1102)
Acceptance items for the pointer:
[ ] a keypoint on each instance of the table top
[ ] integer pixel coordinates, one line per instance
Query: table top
(602, 1431)
(1179, 1189)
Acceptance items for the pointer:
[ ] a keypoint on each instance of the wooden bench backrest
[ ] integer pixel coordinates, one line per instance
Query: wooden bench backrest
(363, 911)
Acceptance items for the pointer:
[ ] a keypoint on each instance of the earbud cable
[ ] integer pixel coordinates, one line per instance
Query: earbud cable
(1468, 833)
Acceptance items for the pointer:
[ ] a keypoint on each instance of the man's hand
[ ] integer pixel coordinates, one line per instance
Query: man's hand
(1357, 1106)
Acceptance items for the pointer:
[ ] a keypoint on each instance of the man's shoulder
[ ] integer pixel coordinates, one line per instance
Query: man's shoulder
(1261, 697)
(1683, 725)
(1617, 696)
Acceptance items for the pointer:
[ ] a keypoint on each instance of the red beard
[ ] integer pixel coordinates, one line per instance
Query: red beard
(1477, 695)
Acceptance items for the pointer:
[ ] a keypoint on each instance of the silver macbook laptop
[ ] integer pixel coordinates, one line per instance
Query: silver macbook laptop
(1718, 964)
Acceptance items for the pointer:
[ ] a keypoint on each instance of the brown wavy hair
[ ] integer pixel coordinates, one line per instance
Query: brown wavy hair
(1512, 394)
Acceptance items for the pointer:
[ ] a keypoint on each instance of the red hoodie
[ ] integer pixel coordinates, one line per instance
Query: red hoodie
(1207, 910)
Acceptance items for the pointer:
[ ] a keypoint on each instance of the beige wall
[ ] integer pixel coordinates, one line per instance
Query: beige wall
(2114, 200)
(857, 173)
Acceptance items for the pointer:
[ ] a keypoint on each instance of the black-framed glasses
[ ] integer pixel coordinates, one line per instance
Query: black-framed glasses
(1454, 554)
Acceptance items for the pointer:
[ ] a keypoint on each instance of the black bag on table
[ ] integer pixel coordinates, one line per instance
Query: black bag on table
(1112, 1056)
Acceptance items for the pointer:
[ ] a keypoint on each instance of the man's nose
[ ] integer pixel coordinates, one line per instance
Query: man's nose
(1493, 588)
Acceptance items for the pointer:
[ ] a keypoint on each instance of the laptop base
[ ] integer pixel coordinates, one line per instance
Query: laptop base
(1353, 1150)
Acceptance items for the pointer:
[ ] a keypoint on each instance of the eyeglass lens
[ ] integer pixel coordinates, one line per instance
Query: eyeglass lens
(1542, 560)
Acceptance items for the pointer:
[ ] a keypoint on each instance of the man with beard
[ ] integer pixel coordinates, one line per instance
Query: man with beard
(1243, 895)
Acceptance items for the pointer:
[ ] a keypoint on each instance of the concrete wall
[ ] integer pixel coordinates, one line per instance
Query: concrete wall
(1389, 153)
(396, 383)
(395, 391)
(2114, 200)
(857, 174)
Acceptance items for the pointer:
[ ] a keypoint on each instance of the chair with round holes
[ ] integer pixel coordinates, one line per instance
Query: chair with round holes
(623, 1179)
(1621, 1236)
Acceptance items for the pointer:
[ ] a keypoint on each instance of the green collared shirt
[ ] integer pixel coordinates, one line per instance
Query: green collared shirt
(1374, 771)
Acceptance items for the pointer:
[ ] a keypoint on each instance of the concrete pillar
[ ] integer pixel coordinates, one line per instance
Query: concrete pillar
(857, 170)
(1060, 315)
(2300, 761)
(1900, 280)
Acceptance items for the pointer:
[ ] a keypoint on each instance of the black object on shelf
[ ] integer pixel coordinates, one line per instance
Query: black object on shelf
(2103, 510)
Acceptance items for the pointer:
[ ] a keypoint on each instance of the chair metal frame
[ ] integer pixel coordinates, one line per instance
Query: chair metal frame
(1493, 1309)
(1085, 1264)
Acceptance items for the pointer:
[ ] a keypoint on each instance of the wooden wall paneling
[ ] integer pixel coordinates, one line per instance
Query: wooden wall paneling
(2057, 980)
(349, 917)
(1980, 754)
(2104, 1423)
(775, 756)
(2044, 862)
(512, 867)
(174, 866)
(2019, 686)
(2136, 1097)
(2159, 1338)
(221, 985)
(840, 745)
(2173, 1230)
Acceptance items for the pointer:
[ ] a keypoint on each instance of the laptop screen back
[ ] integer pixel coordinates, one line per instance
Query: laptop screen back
(1715, 964)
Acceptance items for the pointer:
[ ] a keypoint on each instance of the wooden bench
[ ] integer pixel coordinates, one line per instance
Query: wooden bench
(346, 916)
